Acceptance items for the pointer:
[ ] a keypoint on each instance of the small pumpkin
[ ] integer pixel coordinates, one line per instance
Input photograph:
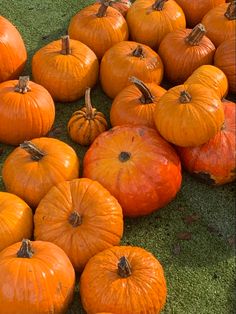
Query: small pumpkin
(26, 111)
(16, 220)
(81, 217)
(183, 51)
(40, 279)
(13, 53)
(150, 20)
(118, 277)
(126, 59)
(215, 161)
(136, 103)
(189, 115)
(87, 123)
(35, 166)
(65, 68)
(220, 23)
(99, 26)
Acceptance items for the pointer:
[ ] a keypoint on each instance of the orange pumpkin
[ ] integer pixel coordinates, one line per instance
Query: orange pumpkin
(137, 166)
(183, 51)
(189, 115)
(65, 68)
(35, 166)
(40, 279)
(136, 103)
(150, 20)
(225, 59)
(87, 123)
(127, 59)
(13, 53)
(81, 217)
(99, 27)
(26, 111)
(16, 220)
(215, 161)
(220, 23)
(123, 280)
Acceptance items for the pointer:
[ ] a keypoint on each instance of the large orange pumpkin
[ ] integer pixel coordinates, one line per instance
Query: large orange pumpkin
(127, 59)
(35, 166)
(123, 280)
(81, 217)
(36, 278)
(215, 161)
(65, 68)
(150, 20)
(16, 220)
(26, 111)
(99, 27)
(183, 51)
(13, 53)
(137, 166)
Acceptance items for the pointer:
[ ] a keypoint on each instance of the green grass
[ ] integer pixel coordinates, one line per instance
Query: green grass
(200, 272)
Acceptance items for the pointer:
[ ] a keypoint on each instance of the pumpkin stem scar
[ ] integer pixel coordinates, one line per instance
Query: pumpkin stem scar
(124, 268)
(25, 250)
(196, 35)
(33, 150)
(124, 156)
(22, 85)
(138, 52)
(147, 97)
(158, 5)
(75, 219)
(65, 45)
(90, 111)
(185, 97)
(103, 8)
(230, 13)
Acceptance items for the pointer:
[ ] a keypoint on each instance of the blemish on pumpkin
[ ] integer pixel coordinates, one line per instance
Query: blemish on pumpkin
(132, 139)
(141, 132)
(205, 177)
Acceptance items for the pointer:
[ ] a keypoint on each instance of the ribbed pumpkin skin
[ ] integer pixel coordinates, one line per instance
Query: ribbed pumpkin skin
(225, 59)
(98, 33)
(24, 116)
(149, 26)
(118, 65)
(189, 124)
(30, 179)
(211, 77)
(66, 77)
(137, 166)
(41, 284)
(16, 220)
(215, 161)
(13, 53)
(101, 215)
(144, 291)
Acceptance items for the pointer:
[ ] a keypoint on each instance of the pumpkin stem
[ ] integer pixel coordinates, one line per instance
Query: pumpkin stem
(65, 45)
(147, 97)
(124, 268)
(196, 35)
(185, 97)
(103, 8)
(75, 219)
(138, 52)
(33, 150)
(22, 85)
(124, 156)
(158, 5)
(25, 250)
(230, 13)
(89, 108)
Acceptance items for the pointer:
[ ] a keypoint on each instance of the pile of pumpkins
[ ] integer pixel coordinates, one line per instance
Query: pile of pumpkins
(132, 169)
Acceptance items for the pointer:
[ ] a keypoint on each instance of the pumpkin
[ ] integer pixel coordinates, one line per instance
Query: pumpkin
(225, 59)
(150, 20)
(40, 279)
(16, 220)
(215, 161)
(137, 166)
(65, 68)
(220, 23)
(81, 217)
(135, 104)
(87, 123)
(13, 53)
(189, 115)
(99, 27)
(123, 280)
(126, 59)
(183, 51)
(195, 10)
(26, 111)
(211, 77)
(35, 166)
(121, 5)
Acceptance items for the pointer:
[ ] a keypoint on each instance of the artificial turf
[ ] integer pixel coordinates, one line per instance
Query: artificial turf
(200, 271)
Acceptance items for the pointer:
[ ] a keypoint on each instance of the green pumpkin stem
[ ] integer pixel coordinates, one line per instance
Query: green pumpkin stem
(25, 250)
(185, 97)
(196, 35)
(103, 8)
(147, 97)
(65, 45)
(22, 85)
(138, 52)
(90, 111)
(230, 13)
(33, 150)
(75, 219)
(124, 268)
(159, 5)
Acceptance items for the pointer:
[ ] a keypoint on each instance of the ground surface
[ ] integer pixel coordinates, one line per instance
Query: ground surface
(200, 272)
